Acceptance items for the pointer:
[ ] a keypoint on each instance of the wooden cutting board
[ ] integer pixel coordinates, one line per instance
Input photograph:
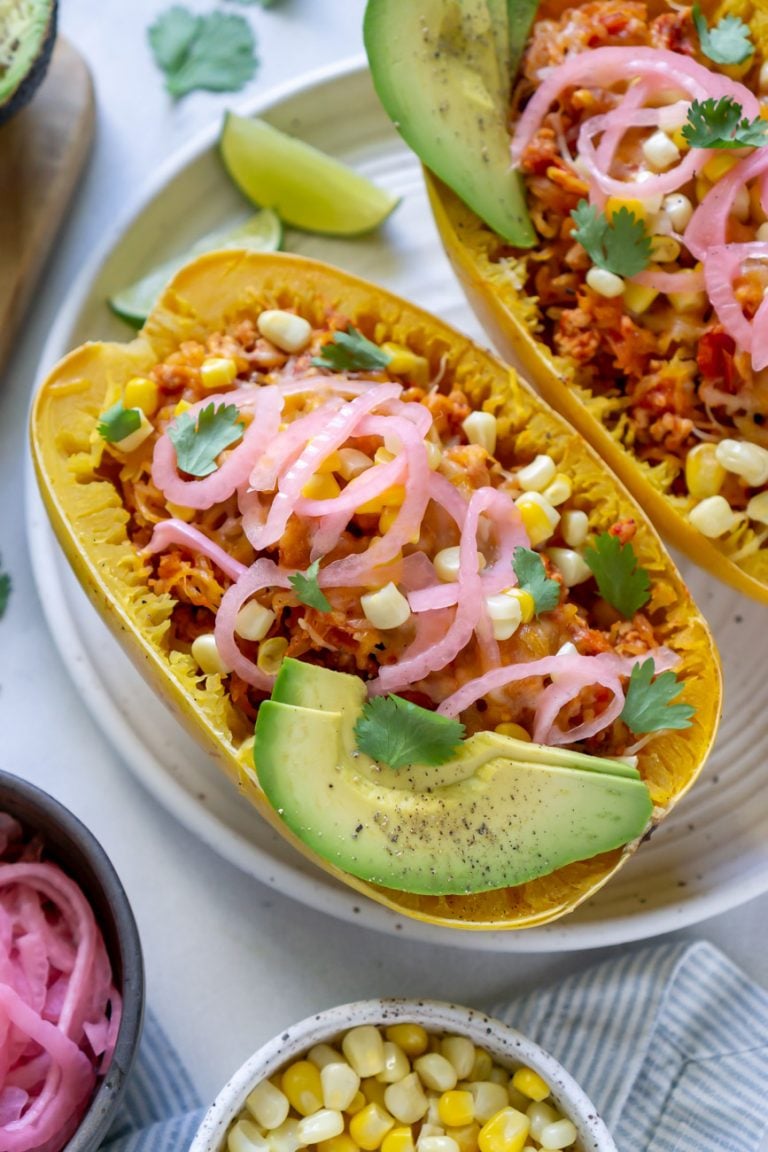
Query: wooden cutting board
(42, 152)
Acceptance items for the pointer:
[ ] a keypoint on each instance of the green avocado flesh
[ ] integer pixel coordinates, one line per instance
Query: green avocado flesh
(499, 813)
(27, 34)
(441, 69)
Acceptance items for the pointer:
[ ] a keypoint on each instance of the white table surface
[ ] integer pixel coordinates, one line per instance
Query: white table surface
(229, 962)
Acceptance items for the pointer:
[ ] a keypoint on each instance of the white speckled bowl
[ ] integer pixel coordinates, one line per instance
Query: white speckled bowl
(505, 1045)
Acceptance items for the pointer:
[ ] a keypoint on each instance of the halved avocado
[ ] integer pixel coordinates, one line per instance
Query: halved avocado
(27, 36)
(499, 812)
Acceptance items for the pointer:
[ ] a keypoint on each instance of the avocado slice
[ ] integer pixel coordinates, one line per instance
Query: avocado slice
(492, 821)
(27, 36)
(441, 70)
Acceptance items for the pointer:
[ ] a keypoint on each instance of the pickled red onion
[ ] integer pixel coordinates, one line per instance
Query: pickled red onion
(55, 993)
(708, 225)
(266, 404)
(262, 574)
(170, 532)
(287, 445)
(723, 263)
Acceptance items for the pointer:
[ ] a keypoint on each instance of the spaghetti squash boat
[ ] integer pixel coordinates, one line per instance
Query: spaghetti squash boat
(629, 288)
(311, 509)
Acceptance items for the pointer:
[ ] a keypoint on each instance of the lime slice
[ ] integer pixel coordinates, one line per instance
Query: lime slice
(261, 233)
(308, 189)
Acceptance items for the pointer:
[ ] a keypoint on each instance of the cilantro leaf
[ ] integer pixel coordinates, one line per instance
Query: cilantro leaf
(532, 577)
(719, 124)
(727, 42)
(308, 590)
(647, 705)
(5, 591)
(396, 732)
(216, 52)
(620, 580)
(118, 422)
(620, 245)
(198, 442)
(350, 351)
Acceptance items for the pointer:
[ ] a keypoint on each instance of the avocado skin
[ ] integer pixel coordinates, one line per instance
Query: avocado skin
(441, 71)
(495, 823)
(14, 100)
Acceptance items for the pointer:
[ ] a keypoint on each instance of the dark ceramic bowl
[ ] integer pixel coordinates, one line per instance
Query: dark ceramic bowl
(78, 853)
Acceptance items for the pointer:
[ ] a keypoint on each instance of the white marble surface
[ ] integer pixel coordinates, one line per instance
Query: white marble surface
(229, 962)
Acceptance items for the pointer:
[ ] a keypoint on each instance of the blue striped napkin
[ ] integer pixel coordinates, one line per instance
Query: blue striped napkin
(670, 1042)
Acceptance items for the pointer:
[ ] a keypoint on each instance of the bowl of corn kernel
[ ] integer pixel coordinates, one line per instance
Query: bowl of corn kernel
(401, 1076)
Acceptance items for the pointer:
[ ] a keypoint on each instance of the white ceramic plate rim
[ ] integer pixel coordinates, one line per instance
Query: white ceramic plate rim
(320, 892)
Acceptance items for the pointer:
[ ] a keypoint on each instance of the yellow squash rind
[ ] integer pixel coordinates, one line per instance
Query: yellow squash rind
(89, 520)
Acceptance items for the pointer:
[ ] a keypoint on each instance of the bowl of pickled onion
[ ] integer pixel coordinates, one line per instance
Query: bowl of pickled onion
(71, 978)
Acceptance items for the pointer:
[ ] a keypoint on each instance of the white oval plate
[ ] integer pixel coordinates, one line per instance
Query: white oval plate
(711, 855)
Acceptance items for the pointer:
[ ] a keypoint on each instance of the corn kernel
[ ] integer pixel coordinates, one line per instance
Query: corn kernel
(286, 330)
(456, 1108)
(323, 1054)
(352, 463)
(434, 455)
(182, 407)
(391, 497)
(437, 1143)
(482, 1065)
(364, 1049)
(530, 1084)
(321, 1125)
(527, 606)
(136, 438)
(406, 1100)
(605, 283)
(387, 519)
(385, 608)
(332, 463)
(374, 1089)
(704, 474)
(436, 1072)
(267, 1104)
(713, 517)
(252, 622)
(515, 1098)
(571, 565)
(660, 151)
(341, 1143)
(507, 1131)
(574, 527)
(638, 298)
(205, 653)
(357, 1103)
(499, 1075)
(677, 138)
(398, 1140)
(301, 1084)
(140, 392)
(505, 614)
(412, 1038)
(614, 204)
(559, 490)
(461, 1052)
(286, 1137)
(245, 1137)
(321, 487)
(369, 1127)
(757, 508)
(517, 732)
(750, 461)
(539, 518)
(465, 1136)
(480, 428)
(271, 654)
(717, 166)
(703, 187)
(403, 362)
(217, 372)
(664, 249)
(559, 1134)
(340, 1084)
(179, 512)
(446, 564)
(396, 1063)
(384, 455)
(535, 477)
(688, 301)
(540, 1114)
(678, 209)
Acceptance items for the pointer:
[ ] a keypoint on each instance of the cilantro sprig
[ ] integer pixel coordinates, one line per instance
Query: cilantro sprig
(118, 422)
(216, 52)
(5, 591)
(307, 589)
(727, 42)
(532, 578)
(396, 732)
(620, 579)
(719, 124)
(647, 706)
(620, 245)
(199, 441)
(350, 351)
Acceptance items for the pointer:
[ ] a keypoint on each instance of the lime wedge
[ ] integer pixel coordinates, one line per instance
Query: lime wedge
(260, 233)
(308, 189)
